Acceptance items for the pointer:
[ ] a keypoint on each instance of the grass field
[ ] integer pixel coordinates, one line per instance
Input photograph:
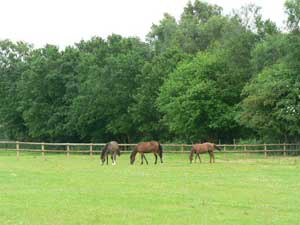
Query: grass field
(81, 191)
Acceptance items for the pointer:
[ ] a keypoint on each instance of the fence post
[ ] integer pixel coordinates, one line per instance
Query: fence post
(91, 150)
(265, 150)
(182, 148)
(18, 150)
(234, 144)
(225, 153)
(43, 150)
(68, 151)
(284, 149)
(245, 151)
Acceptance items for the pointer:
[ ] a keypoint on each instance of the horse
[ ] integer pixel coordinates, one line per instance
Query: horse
(203, 148)
(147, 147)
(111, 148)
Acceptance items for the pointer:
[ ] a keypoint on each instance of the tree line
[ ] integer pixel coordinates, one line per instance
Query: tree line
(207, 76)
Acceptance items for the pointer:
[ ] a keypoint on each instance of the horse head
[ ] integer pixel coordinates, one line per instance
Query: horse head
(132, 155)
(102, 157)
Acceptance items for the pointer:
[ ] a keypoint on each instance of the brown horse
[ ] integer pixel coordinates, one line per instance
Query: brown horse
(203, 148)
(147, 147)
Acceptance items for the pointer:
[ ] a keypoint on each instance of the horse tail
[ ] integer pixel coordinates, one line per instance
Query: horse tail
(192, 155)
(217, 147)
(118, 152)
(160, 150)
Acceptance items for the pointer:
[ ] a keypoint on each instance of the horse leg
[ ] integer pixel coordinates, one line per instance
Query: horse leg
(103, 161)
(115, 158)
(210, 157)
(106, 159)
(160, 156)
(145, 159)
(142, 158)
(198, 155)
(155, 158)
(191, 156)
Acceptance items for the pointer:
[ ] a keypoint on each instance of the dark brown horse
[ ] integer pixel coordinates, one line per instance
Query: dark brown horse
(111, 148)
(203, 148)
(147, 147)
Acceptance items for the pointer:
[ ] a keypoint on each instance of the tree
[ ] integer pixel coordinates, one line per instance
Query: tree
(192, 100)
(197, 26)
(163, 35)
(250, 17)
(269, 52)
(145, 113)
(205, 76)
(107, 75)
(271, 106)
(292, 9)
(13, 61)
(87, 111)
(201, 11)
(44, 94)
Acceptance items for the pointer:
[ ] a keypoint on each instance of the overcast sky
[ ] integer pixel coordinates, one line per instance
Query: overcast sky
(64, 22)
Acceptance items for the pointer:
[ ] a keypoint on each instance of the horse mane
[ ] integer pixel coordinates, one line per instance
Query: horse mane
(133, 153)
(104, 149)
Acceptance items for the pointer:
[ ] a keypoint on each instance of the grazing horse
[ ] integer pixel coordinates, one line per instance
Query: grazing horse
(203, 148)
(147, 147)
(111, 148)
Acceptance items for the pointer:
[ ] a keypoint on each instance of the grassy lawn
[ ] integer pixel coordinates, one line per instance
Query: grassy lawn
(81, 191)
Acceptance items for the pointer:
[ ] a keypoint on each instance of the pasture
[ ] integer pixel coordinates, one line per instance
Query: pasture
(79, 190)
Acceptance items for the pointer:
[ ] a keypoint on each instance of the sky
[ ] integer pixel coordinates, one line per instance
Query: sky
(64, 22)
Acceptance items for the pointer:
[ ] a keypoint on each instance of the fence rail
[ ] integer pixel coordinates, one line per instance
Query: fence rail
(95, 148)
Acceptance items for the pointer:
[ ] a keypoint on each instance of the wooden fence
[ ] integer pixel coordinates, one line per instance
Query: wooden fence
(95, 148)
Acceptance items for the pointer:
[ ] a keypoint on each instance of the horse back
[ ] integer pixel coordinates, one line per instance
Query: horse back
(203, 148)
(199, 148)
(113, 146)
(147, 147)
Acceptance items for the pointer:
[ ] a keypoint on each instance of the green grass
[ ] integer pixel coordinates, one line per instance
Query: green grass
(81, 191)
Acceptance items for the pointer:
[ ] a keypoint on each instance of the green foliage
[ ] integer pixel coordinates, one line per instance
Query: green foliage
(45, 92)
(12, 64)
(269, 52)
(292, 9)
(192, 100)
(200, 11)
(271, 98)
(108, 82)
(272, 103)
(200, 25)
(145, 113)
(161, 36)
(206, 76)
